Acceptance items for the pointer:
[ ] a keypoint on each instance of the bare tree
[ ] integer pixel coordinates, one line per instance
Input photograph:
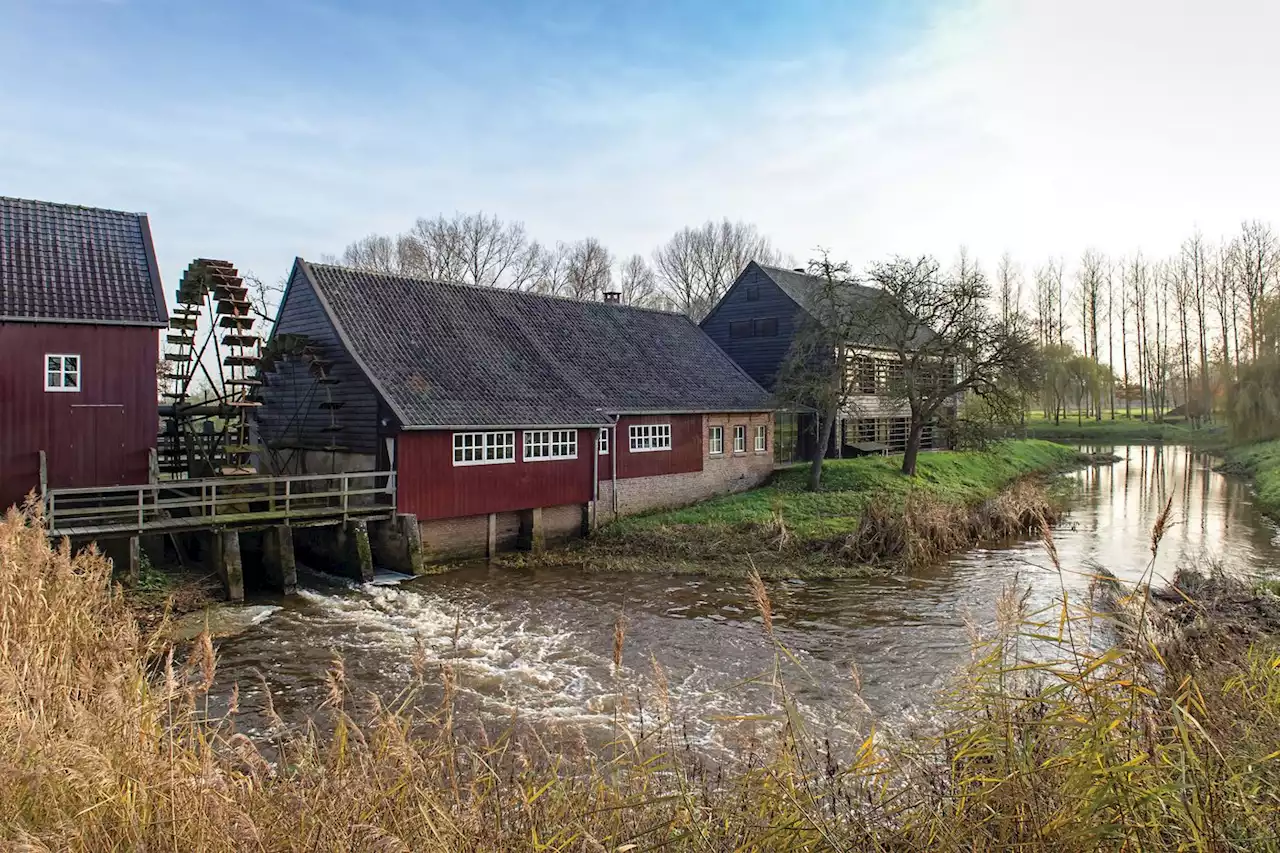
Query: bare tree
(637, 282)
(376, 253)
(1222, 288)
(1008, 288)
(1138, 278)
(1197, 259)
(1124, 305)
(696, 266)
(1259, 261)
(948, 344)
(816, 371)
(589, 270)
(1049, 307)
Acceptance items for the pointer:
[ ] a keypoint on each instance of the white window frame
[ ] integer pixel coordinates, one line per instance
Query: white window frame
(649, 438)
(602, 444)
(62, 373)
(546, 445)
(739, 438)
(484, 448)
(715, 441)
(762, 439)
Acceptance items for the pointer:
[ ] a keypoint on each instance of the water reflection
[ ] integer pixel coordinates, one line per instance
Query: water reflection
(538, 643)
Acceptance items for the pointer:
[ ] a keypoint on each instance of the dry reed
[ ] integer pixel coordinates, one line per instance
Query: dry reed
(1167, 741)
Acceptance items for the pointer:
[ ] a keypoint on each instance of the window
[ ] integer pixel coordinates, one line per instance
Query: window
(647, 437)
(604, 442)
(62, 373)
(739, 439)
(753, 293)
(761, 327)
(715, 440)
(483, 448)
(762, 439)
(766, 327)
(543, 444)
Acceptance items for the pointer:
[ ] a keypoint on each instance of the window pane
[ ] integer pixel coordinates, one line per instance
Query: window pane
(53, 380)
(70, 362)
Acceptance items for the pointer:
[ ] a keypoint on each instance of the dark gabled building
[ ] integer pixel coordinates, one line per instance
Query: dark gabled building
(493, 404)
(755, 323)
(80, 306)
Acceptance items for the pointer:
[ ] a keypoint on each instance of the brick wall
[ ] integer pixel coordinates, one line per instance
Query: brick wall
(467, 537)
(721, 474)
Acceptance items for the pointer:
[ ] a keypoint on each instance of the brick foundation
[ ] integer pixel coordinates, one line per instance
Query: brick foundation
(467, 538)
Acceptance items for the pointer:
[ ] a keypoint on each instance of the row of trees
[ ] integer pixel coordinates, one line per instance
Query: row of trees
(687, 273)
(1158, 333)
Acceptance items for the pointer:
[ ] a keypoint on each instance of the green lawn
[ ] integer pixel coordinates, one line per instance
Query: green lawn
(848, 485)
(1261, 462)
(1121, 429)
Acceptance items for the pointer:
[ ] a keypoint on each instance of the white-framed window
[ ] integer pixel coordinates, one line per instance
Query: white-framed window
(740, 438)
(62, 372)
(762, 439)
(648, 437)
(483, 448)
(543, 444)
(715, 440)
(604, 442)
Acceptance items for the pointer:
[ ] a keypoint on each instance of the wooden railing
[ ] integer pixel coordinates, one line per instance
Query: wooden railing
(220, 502)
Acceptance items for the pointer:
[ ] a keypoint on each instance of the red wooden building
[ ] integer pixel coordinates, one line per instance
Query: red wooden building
(506, 414)
(80, 305)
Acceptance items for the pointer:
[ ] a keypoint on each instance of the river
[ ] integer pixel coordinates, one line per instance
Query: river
(538, 644)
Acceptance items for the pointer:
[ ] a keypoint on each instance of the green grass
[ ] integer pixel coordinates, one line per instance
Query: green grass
(849, 485)
(1121, 430)
(1261, 462)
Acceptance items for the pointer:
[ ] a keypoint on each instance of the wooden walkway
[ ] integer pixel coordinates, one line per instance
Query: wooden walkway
(243, 503)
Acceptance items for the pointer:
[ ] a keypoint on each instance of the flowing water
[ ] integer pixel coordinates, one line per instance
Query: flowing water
(537, 644)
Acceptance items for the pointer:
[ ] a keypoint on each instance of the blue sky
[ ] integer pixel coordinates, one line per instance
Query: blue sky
(261, 131)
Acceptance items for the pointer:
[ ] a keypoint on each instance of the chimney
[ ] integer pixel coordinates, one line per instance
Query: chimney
(613, 296)
(797, 269)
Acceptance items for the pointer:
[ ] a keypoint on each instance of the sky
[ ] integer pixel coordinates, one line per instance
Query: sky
(260, 130)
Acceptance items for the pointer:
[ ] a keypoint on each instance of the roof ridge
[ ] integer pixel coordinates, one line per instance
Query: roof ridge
(612, 306)
(70, 206)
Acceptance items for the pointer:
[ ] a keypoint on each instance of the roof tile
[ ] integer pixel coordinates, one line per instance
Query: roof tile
(77, 264)
(455, 355)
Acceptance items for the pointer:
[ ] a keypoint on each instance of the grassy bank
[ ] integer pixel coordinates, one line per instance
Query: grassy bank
(783, 530)
(1121, 430)
(1164, 741)
(1261, 463)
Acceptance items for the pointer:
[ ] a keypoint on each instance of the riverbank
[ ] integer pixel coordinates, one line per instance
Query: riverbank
(1165, 739)
(1122, 430)
(866, 517)
(1261, 463)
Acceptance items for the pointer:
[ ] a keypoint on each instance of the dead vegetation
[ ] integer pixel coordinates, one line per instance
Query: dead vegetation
(1054, 738)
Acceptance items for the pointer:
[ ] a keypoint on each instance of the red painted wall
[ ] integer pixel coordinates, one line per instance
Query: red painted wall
(684, 456)
(429, 485)
(101, 435)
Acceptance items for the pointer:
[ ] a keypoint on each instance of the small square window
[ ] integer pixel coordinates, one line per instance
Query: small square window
(753, 293)
(765, 327)
(762, 439)
(740, 329)
(740, 439)
(62, 373)
(715, 441)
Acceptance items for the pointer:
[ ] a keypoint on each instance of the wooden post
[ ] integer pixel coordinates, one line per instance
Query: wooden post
(232, 570)
(359, 556)
(412, 534)
(491, 541)
(279, 560)
(135, 561)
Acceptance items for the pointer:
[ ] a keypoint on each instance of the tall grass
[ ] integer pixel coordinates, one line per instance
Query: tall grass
(1055, 738)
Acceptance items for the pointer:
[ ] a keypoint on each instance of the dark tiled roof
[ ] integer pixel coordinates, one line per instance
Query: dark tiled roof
(454, 355)
(801, 287)
(78, 264)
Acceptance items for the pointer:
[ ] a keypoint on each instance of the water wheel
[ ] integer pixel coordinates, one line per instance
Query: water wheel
(211, 360)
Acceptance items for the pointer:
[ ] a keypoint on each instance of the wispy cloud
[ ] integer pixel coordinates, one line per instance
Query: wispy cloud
(1035, 127)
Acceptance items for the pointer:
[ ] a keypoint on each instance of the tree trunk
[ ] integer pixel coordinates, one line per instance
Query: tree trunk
(826, 427)
(912, 450)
